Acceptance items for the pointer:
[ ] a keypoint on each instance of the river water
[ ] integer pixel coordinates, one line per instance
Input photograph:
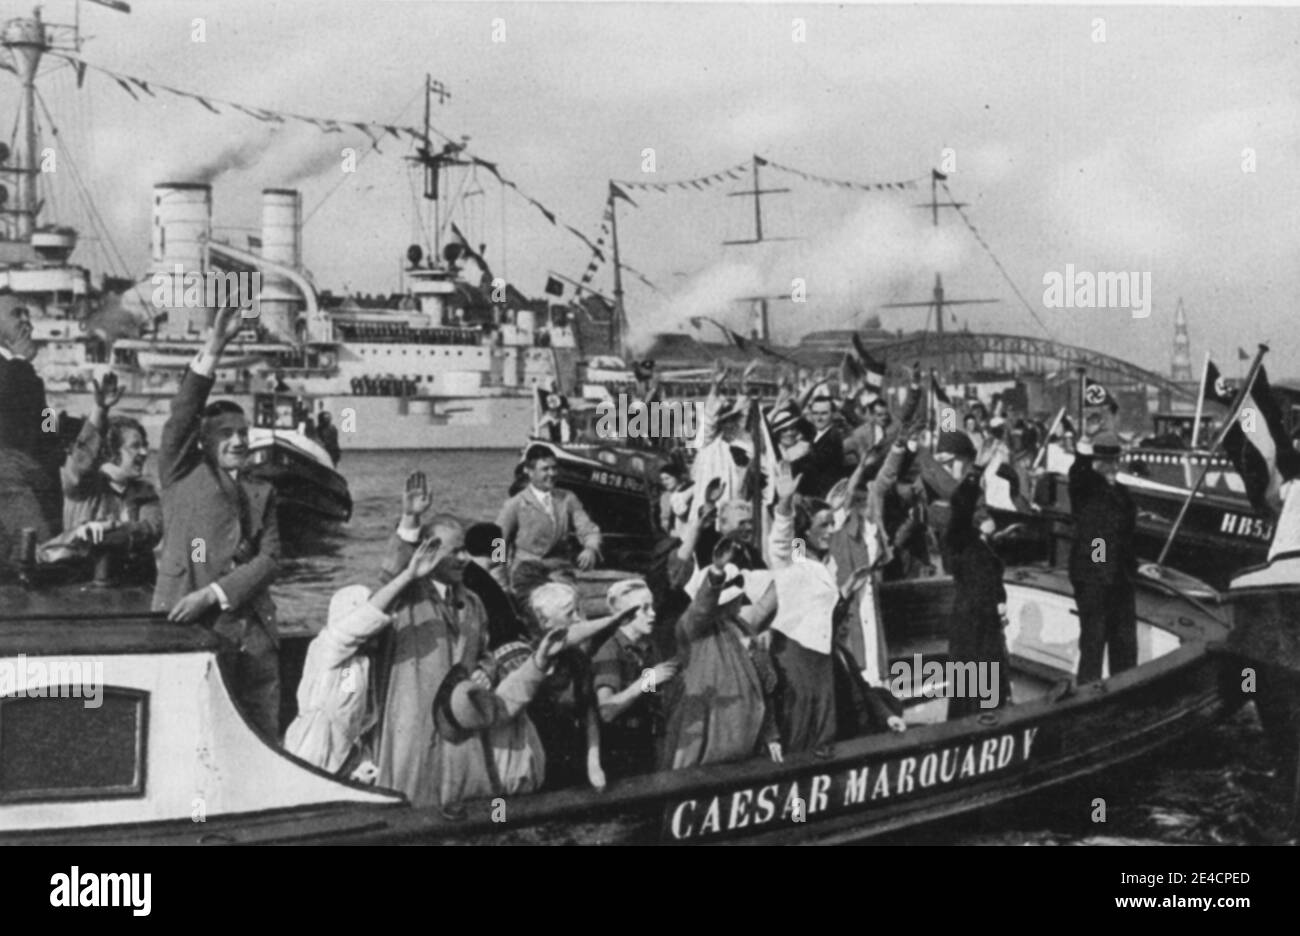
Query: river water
(1211, 788)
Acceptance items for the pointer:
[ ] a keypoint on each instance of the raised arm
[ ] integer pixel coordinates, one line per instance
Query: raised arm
(890, 469)
(178, 449)
(698, 619)
(81, 459)
(403, 541)
(780, 540)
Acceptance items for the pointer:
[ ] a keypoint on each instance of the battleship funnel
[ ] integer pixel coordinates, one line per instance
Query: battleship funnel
(281, 243)
(182, 227)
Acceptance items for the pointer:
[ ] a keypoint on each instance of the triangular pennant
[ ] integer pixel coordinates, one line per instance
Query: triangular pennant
(143, 87)
(128, 89)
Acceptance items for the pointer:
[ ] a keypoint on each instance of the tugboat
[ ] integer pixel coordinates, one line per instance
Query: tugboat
(312, 496)
(151, 749)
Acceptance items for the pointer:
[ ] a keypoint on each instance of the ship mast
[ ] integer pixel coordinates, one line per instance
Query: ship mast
(27, 41)
(433, 163)
(617, 326)
(763, 331)
(939, 301)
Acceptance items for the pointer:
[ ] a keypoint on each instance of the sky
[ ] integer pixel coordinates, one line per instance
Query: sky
(1150, 140)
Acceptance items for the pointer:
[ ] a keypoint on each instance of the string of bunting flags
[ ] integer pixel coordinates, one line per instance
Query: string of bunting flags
(598, 247)
(375, 131)
(843, 183)
(737, 173)
(730, 174)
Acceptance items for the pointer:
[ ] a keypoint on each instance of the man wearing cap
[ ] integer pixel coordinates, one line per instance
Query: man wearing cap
(1102, 559)
(221, 543)
(26, 426)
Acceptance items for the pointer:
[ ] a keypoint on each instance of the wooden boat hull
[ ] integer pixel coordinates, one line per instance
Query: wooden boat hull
(854, 790)
(311, 499)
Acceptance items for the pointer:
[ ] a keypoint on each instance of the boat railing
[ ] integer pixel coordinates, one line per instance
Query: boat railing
(1154, 575)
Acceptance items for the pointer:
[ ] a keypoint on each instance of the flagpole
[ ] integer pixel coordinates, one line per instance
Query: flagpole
(1042, 452)
(932, 413)
(1237, 404)
(616, 336)
(1082, 386)
(1200, 401)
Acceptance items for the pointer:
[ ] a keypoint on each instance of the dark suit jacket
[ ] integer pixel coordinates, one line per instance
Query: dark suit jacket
(1101, 512)
(503, 625)
(22, 414)
(822, 466)
(199, 502)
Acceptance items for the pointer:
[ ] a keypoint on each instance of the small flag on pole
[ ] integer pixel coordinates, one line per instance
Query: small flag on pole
(1095, 394)
(1257, 442)
(554, 287)
(874, 370)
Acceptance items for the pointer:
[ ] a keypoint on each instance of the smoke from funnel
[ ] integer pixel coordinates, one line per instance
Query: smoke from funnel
(877, 254)
(238, 155)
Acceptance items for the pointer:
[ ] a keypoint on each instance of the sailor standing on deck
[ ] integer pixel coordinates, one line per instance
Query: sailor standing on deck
(221, 544)
(1102, 560)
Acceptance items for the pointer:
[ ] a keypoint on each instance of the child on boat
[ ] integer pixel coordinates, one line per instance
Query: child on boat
(335, 703)
(565, 710)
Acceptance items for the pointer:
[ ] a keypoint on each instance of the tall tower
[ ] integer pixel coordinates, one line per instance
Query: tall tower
(1181, 368)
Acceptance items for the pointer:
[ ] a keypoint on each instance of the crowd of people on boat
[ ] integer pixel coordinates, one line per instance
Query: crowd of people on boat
(474, 664)
(499, 670)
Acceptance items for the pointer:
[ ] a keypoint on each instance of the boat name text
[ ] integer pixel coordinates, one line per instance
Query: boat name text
(849, 790)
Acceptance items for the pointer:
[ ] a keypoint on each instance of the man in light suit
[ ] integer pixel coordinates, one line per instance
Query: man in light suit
(26, 427)
(221, 544)
(539, 524)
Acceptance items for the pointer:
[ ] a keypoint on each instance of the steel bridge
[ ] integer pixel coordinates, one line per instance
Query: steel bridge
(975, 352)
